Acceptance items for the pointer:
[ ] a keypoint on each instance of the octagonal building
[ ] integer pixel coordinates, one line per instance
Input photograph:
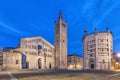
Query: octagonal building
(98, 50)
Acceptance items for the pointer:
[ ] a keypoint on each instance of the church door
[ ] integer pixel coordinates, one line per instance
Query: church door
(50, 66)
(27, 65)
(39, 63)
(92, 66)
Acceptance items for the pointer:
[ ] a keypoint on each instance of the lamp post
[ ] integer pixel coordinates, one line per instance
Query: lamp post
(117, 61)
(118, 55)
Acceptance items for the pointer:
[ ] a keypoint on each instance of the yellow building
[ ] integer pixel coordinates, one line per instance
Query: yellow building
(75, 62)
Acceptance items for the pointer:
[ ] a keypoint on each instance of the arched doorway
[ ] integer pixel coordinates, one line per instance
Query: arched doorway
(103, 64)
(39, 63)
(24, 65)
(27, 65)
(50, 66)
(91, 63)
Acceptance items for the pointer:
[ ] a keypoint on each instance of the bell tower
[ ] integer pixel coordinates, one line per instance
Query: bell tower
(60, 43)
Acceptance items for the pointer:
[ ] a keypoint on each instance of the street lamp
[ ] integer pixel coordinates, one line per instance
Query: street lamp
(118, 55)
(117, 63)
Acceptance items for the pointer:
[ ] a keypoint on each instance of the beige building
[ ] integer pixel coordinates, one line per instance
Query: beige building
(116, 62)
(39, 53)
(98, 50)
(74, 62)
(12, 59)
(60, 43)
(33, 53)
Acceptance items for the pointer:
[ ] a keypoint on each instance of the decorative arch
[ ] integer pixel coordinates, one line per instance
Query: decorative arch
(39, 47)
(91, 63)
(50, 65)
(39, 63)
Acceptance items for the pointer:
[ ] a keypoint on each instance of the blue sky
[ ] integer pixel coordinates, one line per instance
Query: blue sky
(25, 18)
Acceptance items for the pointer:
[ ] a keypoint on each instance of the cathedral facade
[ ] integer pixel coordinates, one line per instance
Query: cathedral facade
(38, 52)
(33, 53)
(98, 50)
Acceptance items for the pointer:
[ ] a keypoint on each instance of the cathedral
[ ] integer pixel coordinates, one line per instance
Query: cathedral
(33, 53)
(38, 53)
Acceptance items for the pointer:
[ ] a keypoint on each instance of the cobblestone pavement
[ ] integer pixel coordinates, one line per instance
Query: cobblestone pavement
(57, 75)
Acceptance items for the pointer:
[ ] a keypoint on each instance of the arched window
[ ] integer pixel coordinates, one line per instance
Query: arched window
(39, 47)
(91, 60)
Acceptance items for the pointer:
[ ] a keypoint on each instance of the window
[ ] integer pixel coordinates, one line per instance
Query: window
(69, 59)
(63, 25)
(90, 46)
(107, 45)
(107, 40)
(25, 52)
(90, 50)
(39, 47)
(103, 61)
(101, 40)
(17, 61)
(91, 55)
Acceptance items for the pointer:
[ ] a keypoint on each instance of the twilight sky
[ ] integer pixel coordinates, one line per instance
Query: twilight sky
(26, 18)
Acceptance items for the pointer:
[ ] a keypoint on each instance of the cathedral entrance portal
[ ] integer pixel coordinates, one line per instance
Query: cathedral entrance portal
(103, 66)
(39, 63)
(27, 65)
(91, 63)
(50, 66)
(92, 66)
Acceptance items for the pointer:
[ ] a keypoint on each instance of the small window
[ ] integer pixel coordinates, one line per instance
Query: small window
(91, 55)
(38, 53)
(69, 59)
(39, 47)
(17, 61)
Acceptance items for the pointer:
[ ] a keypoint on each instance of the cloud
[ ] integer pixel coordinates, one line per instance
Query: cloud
(108, 10)
(12, 29)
